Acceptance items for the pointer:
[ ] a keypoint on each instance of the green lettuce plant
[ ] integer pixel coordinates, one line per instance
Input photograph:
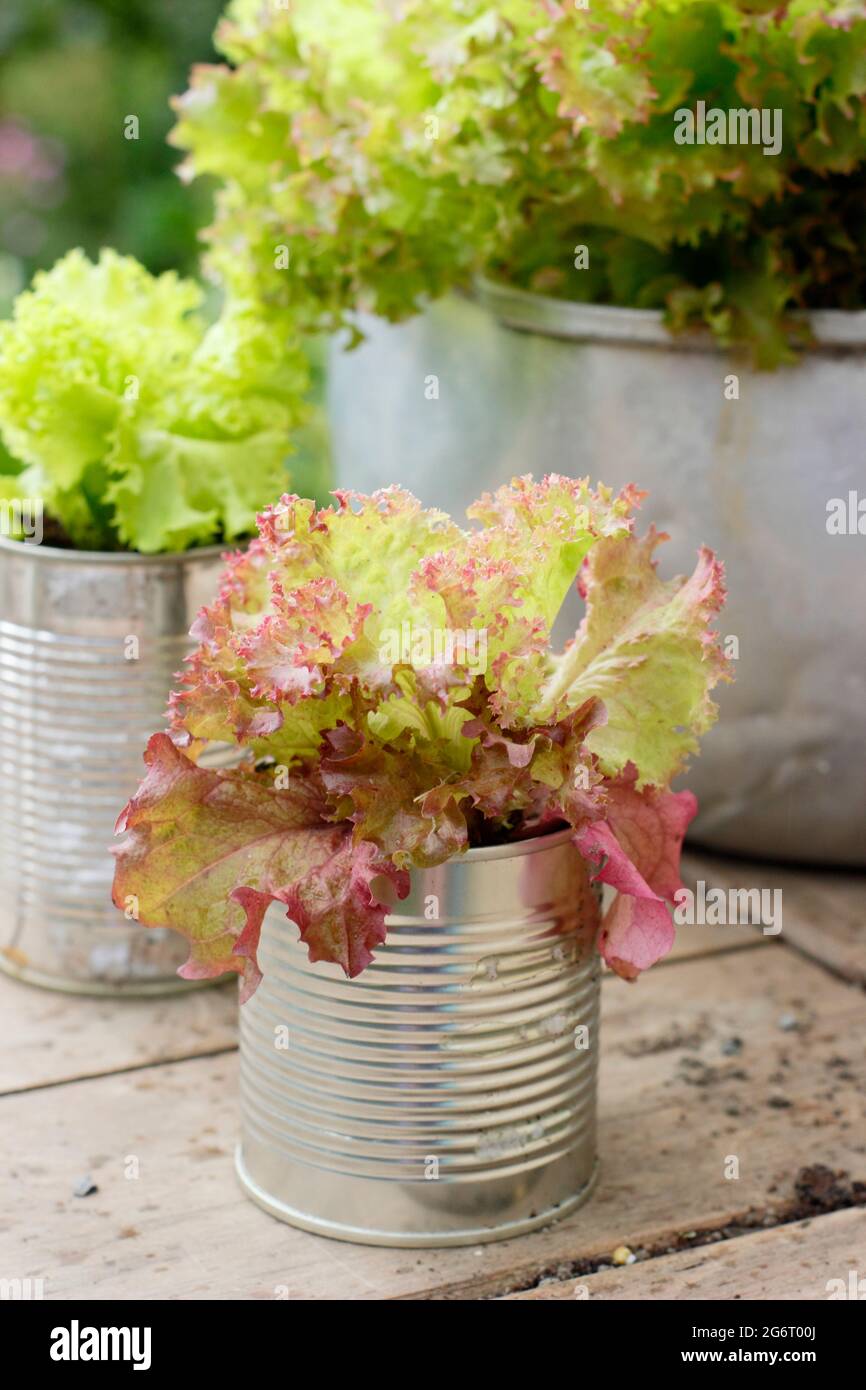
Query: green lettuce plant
(389, 680)
(390, 149)
(136, 422)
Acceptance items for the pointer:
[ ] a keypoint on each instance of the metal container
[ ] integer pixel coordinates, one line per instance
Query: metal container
(467, 394)
(89, 644)
(447, 1095)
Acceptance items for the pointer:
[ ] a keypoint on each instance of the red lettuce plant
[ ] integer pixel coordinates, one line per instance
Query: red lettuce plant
(390, 679)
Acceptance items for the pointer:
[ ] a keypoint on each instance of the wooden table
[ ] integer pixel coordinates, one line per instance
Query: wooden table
(739, 1047)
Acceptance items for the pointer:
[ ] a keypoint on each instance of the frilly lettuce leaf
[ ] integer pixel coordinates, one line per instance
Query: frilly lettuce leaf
(141, 425)
(396, 149)
(337, 656)
(206, 852)
(362, 599)
(646, 651)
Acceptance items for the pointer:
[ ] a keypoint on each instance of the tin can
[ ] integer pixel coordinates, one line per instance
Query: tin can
(447, 1096)
(765, 467)
(89, 646)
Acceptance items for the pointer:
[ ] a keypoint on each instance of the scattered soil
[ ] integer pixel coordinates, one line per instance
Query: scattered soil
(816, 1190)
(670, 1041)
(698, 1073)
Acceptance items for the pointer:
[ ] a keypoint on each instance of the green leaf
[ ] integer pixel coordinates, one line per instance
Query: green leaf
(646, 653)
(141, 425)
(367, 138)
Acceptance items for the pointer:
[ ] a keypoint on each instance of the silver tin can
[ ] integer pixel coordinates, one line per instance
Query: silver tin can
(89, 645)
(447, 1096)
(746, 461)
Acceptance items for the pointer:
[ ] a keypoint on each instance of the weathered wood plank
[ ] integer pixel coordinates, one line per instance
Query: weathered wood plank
(675, 1107)
(824, 911)
(790, 1262)
(50, 1037)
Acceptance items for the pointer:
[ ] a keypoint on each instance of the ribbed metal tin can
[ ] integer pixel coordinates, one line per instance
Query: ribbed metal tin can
(89, 645)
(446, 1096)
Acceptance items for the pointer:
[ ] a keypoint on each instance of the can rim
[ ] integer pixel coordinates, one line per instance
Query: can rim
(833, 329)
(119, 557)
(513, 848)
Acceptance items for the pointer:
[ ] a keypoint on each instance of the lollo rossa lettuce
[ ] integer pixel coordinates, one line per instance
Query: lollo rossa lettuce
(388, 679)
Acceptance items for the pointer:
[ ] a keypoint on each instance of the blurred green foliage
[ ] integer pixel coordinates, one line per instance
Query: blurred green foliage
(71, 72)
(395, 148)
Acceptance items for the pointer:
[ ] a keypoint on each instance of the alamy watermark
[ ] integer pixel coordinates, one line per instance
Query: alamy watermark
(854, 1287)
(846, 516)
(720, 907)
(440, 646)
(21, 1290)
(737, 126)
(77, 1343)
(22, 519)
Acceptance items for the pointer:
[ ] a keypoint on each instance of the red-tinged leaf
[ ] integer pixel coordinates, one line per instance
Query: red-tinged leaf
(544, 771)
(289, 654)
(383, 795)
(650, 825)
(195, 839)
(517, 752)
(637, 851)
(398, 671)
(336, 907)
(635, 933)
